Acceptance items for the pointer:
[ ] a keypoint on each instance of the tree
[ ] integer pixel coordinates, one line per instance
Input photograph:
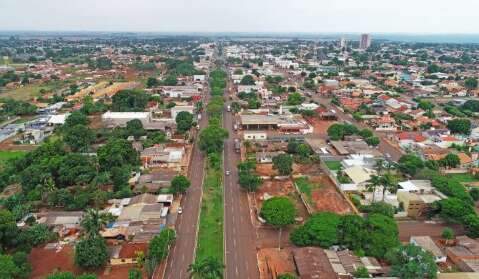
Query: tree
(79, 138)
(247, 80)
(120, 176)
(381, 235)
(20, 258)
(361, 272)
(135, 274)
(170, 80)
(380, 208)
(93, 221)
(184, 121)
(210, 268)
(337, 131)
(116, 152)
(283, 163)
(286, 276)
(366, 133)
(412, 261)
(179, 184)
(321, 229)
(459, 126)
(160, 244)
(454, 209)
(295, 99)
(303, 150)
(447, 234)
(293, 146)
(135, 128)
(74, 169)
(350, 232)
(152, 82)
(451, 160)
(129, 100)
(278, 212)
(249, 181)
(211, 139)
(91, 252)
(410, 164)
(75, 118)
(8, 269)
(61, 275)
(8, 228)
(474, 192)
(373, 141)
(373, 183)
(470, 83)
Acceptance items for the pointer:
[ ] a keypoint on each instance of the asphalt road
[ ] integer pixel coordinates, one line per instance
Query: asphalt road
(240, 235)
(384, 146)
(183, 251)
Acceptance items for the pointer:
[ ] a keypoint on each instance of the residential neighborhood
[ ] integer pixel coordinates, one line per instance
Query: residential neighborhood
(218, 154)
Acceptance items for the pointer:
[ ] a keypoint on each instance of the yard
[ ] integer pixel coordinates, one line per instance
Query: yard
(333, 165)
(210, 234)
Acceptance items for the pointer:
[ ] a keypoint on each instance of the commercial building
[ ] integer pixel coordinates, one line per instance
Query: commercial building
(365, 41)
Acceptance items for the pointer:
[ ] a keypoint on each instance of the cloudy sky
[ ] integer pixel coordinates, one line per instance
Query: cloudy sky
(375, 16)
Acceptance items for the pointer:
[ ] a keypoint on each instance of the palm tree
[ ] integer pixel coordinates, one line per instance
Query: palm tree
(374, 182)
(94, 221)
(379, 165)
(209, 268)
(48, 187)
(389, 183)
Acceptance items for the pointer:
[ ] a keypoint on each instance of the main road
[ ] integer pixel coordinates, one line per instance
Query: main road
(240, 235)
(183, 251)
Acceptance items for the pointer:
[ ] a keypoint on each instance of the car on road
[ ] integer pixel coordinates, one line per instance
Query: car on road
(228, 172)
(180, 210)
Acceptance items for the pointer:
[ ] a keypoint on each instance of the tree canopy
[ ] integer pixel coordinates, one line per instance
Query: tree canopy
(179, 184)
(129, 100)
(211, 138)
(283, 163)
(459, 126)
(411, 261)
(184, 121)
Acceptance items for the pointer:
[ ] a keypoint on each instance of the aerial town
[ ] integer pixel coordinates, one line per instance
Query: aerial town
(227, 157)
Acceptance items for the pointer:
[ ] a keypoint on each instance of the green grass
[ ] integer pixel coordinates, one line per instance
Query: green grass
(463, 177)
(306, 187)
(7, 155)
(210, 234)
(333, 165)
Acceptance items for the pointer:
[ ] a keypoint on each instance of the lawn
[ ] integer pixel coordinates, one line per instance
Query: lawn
(333, 165)
(210, 234)
(7, 155)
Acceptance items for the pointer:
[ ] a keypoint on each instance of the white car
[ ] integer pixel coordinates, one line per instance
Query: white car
(228, 172)
(180, 210)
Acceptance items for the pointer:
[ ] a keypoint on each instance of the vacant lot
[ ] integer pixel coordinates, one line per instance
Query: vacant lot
(210, 234)
(322, 195)
(29, 91)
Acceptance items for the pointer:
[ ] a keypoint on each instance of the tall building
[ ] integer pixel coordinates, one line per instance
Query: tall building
(365, 41)
(342, 43)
